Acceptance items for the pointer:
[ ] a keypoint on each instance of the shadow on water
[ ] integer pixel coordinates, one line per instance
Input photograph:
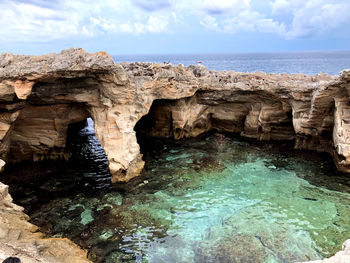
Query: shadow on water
(210, 199)
(85, 172)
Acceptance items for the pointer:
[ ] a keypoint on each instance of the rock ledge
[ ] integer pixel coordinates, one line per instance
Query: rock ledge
(21, 239)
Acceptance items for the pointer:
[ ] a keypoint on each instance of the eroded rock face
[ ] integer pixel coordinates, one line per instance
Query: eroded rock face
(21, 239)
(41, 96)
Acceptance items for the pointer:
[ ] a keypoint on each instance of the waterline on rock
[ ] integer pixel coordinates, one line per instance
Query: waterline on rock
(217, 199)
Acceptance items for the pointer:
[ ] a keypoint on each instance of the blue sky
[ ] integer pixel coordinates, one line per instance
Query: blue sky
(174, 26)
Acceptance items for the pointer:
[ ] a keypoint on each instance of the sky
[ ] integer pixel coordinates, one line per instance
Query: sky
(174, 26)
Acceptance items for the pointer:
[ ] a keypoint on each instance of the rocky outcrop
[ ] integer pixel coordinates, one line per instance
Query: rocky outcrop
(21, 239)
(41, 96)
(342, 256)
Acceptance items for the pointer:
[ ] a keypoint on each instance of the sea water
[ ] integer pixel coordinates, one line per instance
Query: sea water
(216, 198)
(311, 63)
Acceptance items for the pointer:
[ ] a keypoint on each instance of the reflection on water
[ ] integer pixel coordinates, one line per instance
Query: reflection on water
(212, 199)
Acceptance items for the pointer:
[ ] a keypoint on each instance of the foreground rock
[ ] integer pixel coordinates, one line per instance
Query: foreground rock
(41, 96)
(19, 238)
(341, 257)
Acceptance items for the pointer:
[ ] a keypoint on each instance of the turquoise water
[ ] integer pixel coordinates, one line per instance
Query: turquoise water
(211, 199)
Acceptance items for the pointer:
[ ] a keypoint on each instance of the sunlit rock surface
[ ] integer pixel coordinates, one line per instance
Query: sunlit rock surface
(21, 239)
(40, 96)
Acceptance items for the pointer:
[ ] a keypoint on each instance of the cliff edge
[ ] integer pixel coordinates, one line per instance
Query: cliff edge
(40, 96)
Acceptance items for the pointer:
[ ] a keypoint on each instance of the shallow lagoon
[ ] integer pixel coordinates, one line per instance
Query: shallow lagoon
(210, 199)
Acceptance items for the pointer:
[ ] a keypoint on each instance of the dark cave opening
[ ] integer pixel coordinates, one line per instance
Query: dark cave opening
(86, 152)
(85, 170)
(155, 127)
(160, 124)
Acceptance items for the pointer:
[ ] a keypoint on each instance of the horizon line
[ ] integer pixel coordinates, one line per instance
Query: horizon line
(226, 53)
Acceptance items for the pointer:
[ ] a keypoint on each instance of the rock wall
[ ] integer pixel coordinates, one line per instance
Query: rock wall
(21, 239)
(40, 96)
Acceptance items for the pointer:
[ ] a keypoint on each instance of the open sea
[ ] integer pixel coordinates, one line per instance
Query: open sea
(311, 63)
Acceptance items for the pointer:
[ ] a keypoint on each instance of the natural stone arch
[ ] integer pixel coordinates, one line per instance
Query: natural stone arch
(257, 116)
(116, 96)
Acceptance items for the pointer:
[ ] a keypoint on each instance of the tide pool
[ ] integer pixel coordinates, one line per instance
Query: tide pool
(211, 199)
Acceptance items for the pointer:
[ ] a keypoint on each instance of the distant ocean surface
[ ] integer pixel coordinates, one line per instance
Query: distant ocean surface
(311, 63)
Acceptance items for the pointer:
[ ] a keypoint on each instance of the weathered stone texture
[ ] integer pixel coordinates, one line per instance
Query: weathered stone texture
(19, 238)
(40, 96)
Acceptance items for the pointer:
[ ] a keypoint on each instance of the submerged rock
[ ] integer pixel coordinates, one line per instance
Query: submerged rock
(209, 212)
(131, 103)
(113, 198)
(342, 256)
(237, 249)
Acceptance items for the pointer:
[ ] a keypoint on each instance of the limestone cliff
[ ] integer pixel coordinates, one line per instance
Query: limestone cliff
(41, 96)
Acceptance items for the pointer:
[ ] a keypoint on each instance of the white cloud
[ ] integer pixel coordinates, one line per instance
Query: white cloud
(232, 16)
(152, 5)
(209, 23)
(41, 20)
(247, 21)
(22, 21)
(318, 17)
(154, 24)
(281, 6)
(157, 24)
(38, 20)
(300, 18)
(103, 24)
(224, 6)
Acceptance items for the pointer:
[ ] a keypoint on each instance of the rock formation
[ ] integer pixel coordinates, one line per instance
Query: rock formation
(21, 239)
(40, 96)
(342, 256)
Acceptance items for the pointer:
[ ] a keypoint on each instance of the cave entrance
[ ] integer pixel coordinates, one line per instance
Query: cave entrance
(155, 127)
(85, 171)
(86, 153)
(186, 118)
(84, 161)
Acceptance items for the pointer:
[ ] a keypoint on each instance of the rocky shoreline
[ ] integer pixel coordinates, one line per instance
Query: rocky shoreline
(41, 96)
(21, 239)
(342, 256)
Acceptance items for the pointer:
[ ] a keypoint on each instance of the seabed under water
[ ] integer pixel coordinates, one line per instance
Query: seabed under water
(211, 199)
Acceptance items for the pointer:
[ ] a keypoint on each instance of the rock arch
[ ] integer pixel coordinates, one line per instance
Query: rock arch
(41, 96)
